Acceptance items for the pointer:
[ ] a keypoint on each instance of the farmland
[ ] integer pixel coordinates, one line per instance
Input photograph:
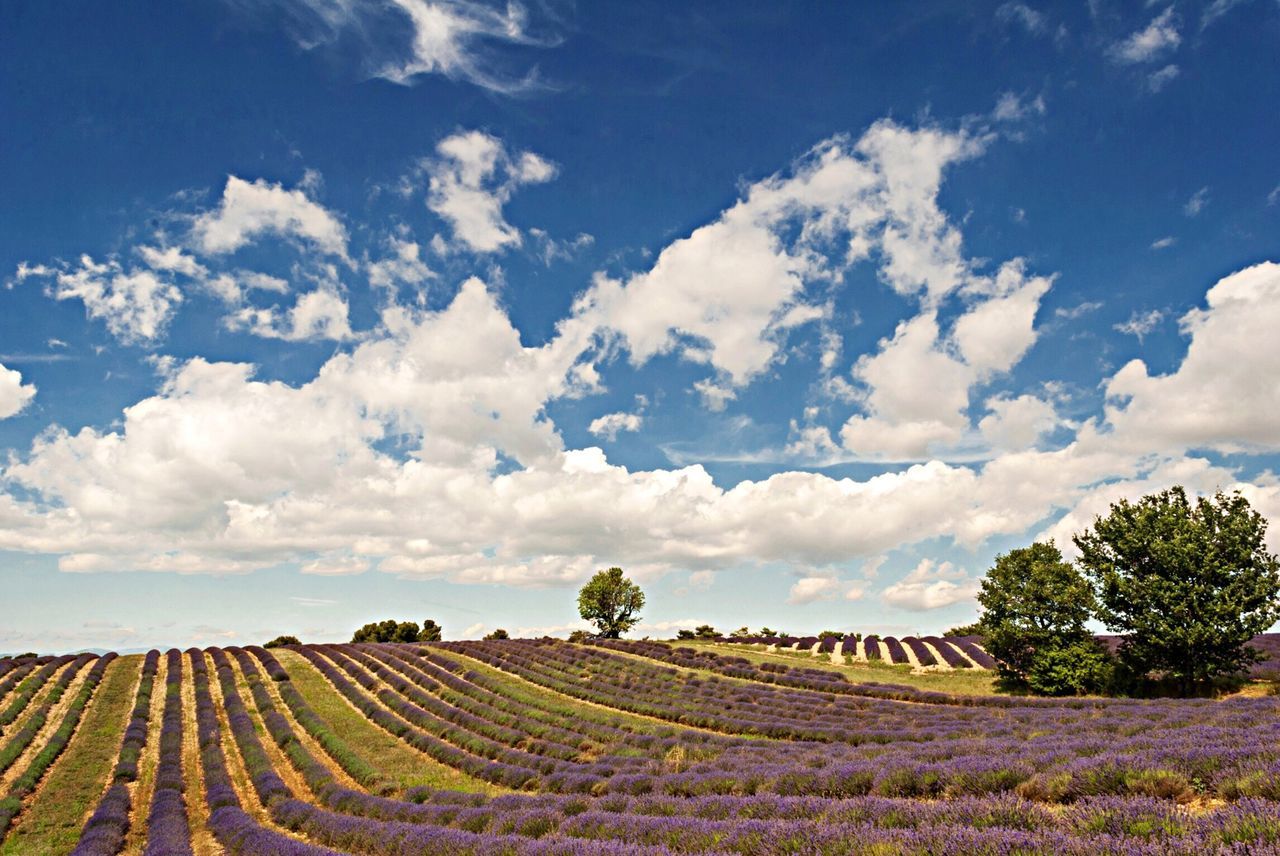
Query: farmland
(546, 747)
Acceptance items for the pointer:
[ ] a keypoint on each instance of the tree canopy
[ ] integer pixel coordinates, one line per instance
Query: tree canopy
(611, 602)
(282, 641)
(498, 634)
(398, 631)
(1186, 584)
(1035, 610)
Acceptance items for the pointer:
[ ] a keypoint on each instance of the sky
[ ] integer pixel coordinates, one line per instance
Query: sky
(319, 312)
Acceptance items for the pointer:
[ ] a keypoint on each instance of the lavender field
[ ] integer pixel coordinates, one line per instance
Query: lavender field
(616, 747)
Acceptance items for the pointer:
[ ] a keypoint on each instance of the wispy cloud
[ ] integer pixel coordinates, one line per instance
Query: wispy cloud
(1146, 45)
(1141, 323)
(1197, 202)
(1164, 243)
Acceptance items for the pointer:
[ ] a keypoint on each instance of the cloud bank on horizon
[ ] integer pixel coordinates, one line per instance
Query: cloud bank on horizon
(344, 389)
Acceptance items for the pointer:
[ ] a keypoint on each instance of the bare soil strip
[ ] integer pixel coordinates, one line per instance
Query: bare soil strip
(202, 840)
(140, 791)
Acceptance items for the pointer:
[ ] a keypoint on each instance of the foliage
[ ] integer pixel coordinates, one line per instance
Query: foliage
(611, 602)
(579, 636)
(702, 631)
(831, 634)
(740, 633)
(282, 641)
(1035, 609)
(974, 629)
(498, 634)
(398, 631)
(1187, 585)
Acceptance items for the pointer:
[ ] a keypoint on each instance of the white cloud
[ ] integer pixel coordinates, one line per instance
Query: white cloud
(1140, 323)
(813, 588)
(609, 425)
(1146, 45)
(14, 394)
(472, 179)
(136, 304)
(1032, 21)
(1164, 243)
(1197, 202)
(1223, 395)
(930, 585)
(1217, 9)
(729, 293)
(1158, 80)
(247, 211)
(1274, 196)
(916, 385)
(1078, 311)
(1017, 423)
(319, 314)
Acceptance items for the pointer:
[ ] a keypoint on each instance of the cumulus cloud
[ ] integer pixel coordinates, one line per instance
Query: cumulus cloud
(470, 181)
(728, 294)
(1223, 395)
(14, 394)
(813, 588)
(136, 304)
(249, 210)
(609, 425)
(915, 387)
(930, 585)
(1148, 44)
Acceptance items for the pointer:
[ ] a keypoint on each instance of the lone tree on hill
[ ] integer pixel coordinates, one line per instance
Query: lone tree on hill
(611, 602)
(1035, 607)
(1187, 585)
(497, 634)
(281, 641)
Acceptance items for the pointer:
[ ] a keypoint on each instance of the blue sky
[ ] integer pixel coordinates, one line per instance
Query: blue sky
(318, 312)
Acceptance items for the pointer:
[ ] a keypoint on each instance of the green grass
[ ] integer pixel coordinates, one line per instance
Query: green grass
(956, 681)
(51, 823)
(395, 760)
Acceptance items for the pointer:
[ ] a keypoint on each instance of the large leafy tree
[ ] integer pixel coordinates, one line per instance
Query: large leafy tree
(398, 631)
(1035, 607)
(1186, 584)
(611, 602)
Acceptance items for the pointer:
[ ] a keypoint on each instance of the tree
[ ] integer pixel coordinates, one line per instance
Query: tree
(705, 631)
(498, 634)
(579, 636)
(281, 641)
(1186, 585)
(611, 602)
(740, 633)
(1035, 609)
(431, 632)
(395, 631)
(974, 629)
(831, 634)
(684, 634)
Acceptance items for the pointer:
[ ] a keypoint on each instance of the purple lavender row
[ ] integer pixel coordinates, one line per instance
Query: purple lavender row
(105, 830)
(923, 656)
(319, 728)
(974, 653)
(168, 829)
(565, 745)
(17, 671)
(469, 685)
(26, 783)
(231, 825)
(949, 654)
(18, 742)
(28, 689)
(440, 750)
